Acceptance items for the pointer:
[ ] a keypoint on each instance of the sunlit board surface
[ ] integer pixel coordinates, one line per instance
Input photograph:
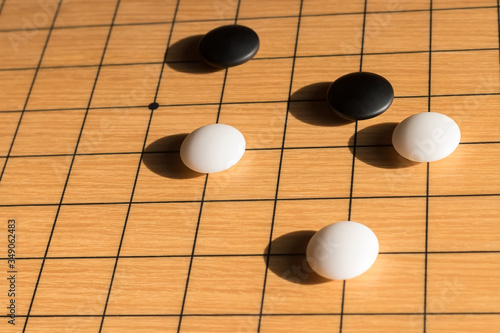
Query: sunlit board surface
(114, 234)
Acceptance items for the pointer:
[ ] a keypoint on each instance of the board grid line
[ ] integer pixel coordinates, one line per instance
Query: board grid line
(235, 255)
(200, 212)
(241, 255)
(426, 253)
(258, 200)
(280, 164)
(353, 163)
(226, 69)
(14, 69)
(242, 103)
(248, 149)
(151, 113)
(1, 6)
(248, 18)
(71, 163)
(427, 184)
(326, 314)
(37, 69)
(498, 21)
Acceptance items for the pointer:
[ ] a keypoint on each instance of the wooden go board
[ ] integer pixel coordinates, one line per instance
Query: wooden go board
(113, 234)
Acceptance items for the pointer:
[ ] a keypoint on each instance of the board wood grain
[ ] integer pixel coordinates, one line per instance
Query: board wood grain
(109, 232)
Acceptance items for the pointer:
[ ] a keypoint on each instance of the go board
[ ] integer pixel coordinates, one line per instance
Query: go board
(113, 234)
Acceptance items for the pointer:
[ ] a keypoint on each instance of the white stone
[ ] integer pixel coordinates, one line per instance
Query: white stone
(342, 250)
(212, 148)
(426, 137)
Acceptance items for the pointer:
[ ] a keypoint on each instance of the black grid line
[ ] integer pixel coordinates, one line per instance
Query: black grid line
(491, 313)
(257, 58)
(1, 6)
(222, 90)
(37, 69)
(236, 255)
(498, 19)
(426, 254)
(255, 200)
(198, 222)
(372, 314)
(353, 163)
(70, 167)
(239, 103)
(249, 18)
(226, 70)
(427, 185)
(137, 171)
(248, 149)
(192, 256)
(266, 271)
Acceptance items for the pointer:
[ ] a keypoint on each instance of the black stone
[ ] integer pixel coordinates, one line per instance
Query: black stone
(228, 46)
(360, 95)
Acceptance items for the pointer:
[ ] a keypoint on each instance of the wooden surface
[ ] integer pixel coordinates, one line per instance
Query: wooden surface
(114, 234)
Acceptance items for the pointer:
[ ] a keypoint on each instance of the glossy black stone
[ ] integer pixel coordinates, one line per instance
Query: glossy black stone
(360, 95)
(229, 45)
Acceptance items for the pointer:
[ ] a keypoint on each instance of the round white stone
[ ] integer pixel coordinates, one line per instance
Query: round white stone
(342, 250)
(212, 148)
(426, 137)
